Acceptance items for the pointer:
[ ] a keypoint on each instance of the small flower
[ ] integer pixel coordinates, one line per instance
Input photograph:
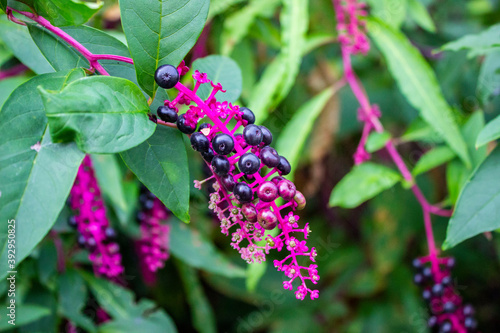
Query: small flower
(197, 184)
(287, 285)
(200, 77)
(291, 244)
(314, 294)
(182, 68)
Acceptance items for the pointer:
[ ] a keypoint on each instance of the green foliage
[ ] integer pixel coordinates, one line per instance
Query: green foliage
(155, 39)
(376, 141)
(362, 183)
(433, 158)
(101, 114)
(65, 12)
(477, 44)
(489, 133)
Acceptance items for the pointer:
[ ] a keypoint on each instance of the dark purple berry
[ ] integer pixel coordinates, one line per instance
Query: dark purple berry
(277, 179)
(427, 295)
(72, 222)
(284, 166)
(91, 243)
(247, 115)
(249, 163)
(468, 310)
(267, 219)
(446, 281)
(269, 157)
(167, 114)
(417, 263)
(110, 233)
(446, 327)
(166, 76)
(228, 182)
(249, 211)
(203, 126)
(449, 307)
(252, 135)
(208, 155)
(427, 272)
(81, 240)
(300, 200)
(148, 204)
(267, 136)
(220, 165)
(286, 189)
(470, 323)
(183, 127)
(432, 322)
(450, 263)
(199, 142)
(437, 289)
(243, 193)
(267, 191)
(223, 144)
(418, 279)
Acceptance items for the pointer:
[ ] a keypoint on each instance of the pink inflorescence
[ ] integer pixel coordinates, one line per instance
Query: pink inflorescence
(351, 27)
(448, 313)
(90, 220)
(154, 242)
(246, 196)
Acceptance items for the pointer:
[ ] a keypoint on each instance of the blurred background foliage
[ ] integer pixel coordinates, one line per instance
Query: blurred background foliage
(364, 253)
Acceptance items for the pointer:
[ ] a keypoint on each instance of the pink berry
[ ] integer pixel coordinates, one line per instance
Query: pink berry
(286, 189)
(249, 211)
(300, 200)
(267, 219)
(267, 192)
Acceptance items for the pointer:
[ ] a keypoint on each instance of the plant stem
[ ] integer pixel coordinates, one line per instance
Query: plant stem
(13, 71)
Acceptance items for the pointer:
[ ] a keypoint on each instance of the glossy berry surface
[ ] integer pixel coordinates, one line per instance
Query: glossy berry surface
(249, 211)
(183, 126)
(228, 182)
(199, 142)
(249, 163)
(167, 114)
(208, 155)
(252, 135)
(220, 165)
(166, 76)
(247, 115)
(267, 191)
(223, 144)
(300, 200)
(267, 219)
(286, 189)
(269, 156)
(243, 193)
(284, 166)
(267, 136)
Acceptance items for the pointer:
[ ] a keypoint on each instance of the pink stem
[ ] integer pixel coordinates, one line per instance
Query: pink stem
(13, 71)
(61, 265)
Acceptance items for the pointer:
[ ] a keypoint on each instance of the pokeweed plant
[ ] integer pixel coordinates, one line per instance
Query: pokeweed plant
(96, 95)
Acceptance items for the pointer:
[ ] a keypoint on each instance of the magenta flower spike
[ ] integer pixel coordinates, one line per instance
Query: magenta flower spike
(246, 196)
(448, 313)
(154, 242)
(90, 220)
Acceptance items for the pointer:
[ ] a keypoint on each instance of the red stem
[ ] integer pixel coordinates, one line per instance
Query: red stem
(13, 71)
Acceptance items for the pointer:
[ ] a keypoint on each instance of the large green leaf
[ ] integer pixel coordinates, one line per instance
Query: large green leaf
(128, 316)
(432, 159)
(18, 39)
(7, 86)
(393, 12)
(65, 12)
(488, 82)
(160, 32)
(223, 70)
(28, 158)
(420, 15)
(201, 311)
(188, 245)
(160, 163)
(362, 183)
(102, 114)
(220, 6)
(489, 133)
(25, 314)
(477, 44)
(477, 208)
(297, 130)
(418, 83)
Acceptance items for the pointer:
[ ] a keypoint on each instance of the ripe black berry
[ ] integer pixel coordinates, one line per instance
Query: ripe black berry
(417, 263)
(223, 144)
(269, 157)
(243, 193)
(267, 192)
(432, 321)
(183, 127)
(110, 233)
(437, 289)
(208, 155)
(267, 219)
(199, 142)
(418, 279)
(449, 307)
(228, 182)
(427, 272)
(249, 211)
(81, 240)
(72, 222)
(267, 136)
(91, 243)
(167, 114)
(470, 323)
(284, 166)
(252, 135)
(249, 163)
(286, 189)
(450, 262)
(277, 179)
(468, 310)
(203, 126)
(220, 165)
(446, 327)
(446, 281)
(166, 76)
(427, 295)
(247, 115)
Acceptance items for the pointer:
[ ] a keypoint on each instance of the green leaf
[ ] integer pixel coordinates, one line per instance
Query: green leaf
(362, 183)
(418, 84)
(377, 140)
(420, 15)
(65, 12)
(255, 271)
(296, 131)
(294, 21)
(223, 70)
(102, 114)
(189, 246)
(220, 6)
(201, 311)
(432, 159)
(19, 41)
(161, 165)
(477, 44)
(7, 86)
(28, 158)
(393, 12)
(128, 315)
(470, 131)
(419, 130)
(25, 314)
(160, 32)
(489, 133)
(456, 176)
(477, 207)
(488, 82)
(238, 24)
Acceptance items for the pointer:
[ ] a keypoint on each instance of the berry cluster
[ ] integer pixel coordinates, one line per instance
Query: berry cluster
(244, 197)
(350, 27)
(91, 222)
(448, 314)
(154, 242)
